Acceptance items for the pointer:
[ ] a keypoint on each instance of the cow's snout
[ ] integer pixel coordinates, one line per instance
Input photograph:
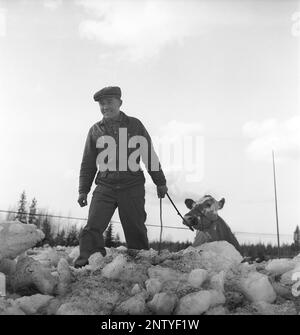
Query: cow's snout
(191, 220)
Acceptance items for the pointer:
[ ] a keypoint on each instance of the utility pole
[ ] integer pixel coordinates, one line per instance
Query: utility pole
(274, 174)
(297, 239)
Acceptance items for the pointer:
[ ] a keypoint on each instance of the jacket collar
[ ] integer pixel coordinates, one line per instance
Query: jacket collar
(123, 118)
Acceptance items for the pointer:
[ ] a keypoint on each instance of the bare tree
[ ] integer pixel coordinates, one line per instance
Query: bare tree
(32, 211)
(22, 214)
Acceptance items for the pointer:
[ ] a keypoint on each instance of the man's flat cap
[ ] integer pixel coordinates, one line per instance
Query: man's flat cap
(110, 91)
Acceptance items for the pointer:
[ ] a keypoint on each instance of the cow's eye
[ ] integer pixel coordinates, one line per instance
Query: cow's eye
(194, 220)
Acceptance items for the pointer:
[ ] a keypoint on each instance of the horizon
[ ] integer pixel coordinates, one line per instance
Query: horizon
(264, 238)
(223, 72)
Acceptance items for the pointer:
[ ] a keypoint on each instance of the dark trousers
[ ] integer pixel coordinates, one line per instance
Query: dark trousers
(131, 207)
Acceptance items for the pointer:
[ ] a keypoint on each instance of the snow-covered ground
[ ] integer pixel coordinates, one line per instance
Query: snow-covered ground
(210, 279)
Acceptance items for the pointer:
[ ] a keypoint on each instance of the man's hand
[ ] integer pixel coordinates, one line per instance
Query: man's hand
(82, 199)
(162, 191)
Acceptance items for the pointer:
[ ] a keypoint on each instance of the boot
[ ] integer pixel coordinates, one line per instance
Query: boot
(80, 262)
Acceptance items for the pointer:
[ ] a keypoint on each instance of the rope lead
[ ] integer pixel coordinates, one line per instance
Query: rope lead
(184, 220)
(161, 224)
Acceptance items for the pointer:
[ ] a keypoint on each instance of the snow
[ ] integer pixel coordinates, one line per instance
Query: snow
(257, 287)
(216, 298)
(197, 277)
(31, 274)
(16, 237)
(280, 266)
(209, 279)
(164, 274)
(74, 253)
(136, 289)
(8, 266)
(135, 305)
(282, 290)
(213, 257)
(2, 285)
(49, 257)
(95, 261)
(64, 277)
(153, 286)
(32, 304)
(9, 307)
(217, 281)
(60, 248)
(288, 277)
(121, 248)
(297, 258)
(218, 256)
(264, 308)
(69, 309)
(163, 303)
(114, 269)
(199, 302)
(219, 310)
(147, 253)
(122, 269)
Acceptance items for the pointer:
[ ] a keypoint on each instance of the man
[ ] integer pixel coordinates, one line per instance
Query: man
(119, 183)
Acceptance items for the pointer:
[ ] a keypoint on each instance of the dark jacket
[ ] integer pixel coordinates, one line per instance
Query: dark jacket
(218, 230)
(116, 179)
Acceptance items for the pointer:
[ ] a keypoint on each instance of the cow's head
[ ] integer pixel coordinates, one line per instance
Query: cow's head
(206, 207)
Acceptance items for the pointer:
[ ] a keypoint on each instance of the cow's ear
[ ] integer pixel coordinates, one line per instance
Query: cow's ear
(189, 203)
(221, 203)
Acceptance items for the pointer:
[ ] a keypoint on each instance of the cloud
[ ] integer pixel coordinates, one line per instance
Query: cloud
(180, 147)
(281, 136)
(178, 188)
(52, 4)
(2, 22)
(175, 130)
(139, 30)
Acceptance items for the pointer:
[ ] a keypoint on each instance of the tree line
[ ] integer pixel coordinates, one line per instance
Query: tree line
(69, 236)
(66, 236)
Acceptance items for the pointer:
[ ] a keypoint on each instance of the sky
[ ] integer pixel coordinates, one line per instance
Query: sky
(220, 78)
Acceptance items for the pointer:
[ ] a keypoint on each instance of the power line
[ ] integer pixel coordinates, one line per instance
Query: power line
(83, 219)
(115, 221)
(267, 234)
(48, 215)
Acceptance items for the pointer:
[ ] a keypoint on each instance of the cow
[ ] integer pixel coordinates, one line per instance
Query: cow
(203, 216)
